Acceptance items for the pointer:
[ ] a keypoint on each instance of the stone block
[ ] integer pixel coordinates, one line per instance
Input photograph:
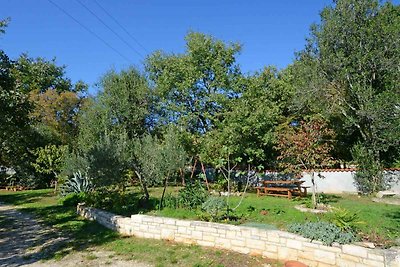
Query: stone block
(294, 244)
(240, 249)
(197, 235)
(255, 244)
(183, 223)
(355, 250)
(169, 221)
(345, 263)
(238, 243)
(167, 234)
(287, 253)
(205, 243)
(325, 256)
(348, 257)
(208, 238)
(373, 263)
(271, 248)
(376, 257)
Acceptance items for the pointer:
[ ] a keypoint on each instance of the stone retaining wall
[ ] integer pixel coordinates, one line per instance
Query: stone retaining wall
(269, 243)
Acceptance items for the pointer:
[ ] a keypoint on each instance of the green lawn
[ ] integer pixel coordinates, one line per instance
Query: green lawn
(381, 222)
(86, 234)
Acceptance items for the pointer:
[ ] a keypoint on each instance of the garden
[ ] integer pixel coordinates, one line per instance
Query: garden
(190, 135)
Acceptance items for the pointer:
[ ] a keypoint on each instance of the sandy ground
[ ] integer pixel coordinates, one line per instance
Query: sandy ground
(24, 241)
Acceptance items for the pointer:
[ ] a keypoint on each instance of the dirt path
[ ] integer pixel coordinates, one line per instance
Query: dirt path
(24, 241)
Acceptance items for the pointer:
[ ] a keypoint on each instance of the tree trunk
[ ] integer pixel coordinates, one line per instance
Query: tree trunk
(313, 198)
(205, 176)
(55, 182)
(182, 176)
(144, 186)
(163, 193)
(194, 168)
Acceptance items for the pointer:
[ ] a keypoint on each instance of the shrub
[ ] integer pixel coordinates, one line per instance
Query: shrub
(216, 207)
(73, 199)
(322, 231)
(192, 195)
(112, 199)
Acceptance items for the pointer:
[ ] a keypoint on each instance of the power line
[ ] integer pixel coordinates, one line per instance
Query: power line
(120, 25)
(90, 31)
(108, 27)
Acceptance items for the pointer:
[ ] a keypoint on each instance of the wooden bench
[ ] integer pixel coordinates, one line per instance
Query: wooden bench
(282, 188)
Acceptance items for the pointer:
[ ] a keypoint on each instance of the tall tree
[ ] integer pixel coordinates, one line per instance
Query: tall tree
(350, 71)
(194, 86)
(249, 121)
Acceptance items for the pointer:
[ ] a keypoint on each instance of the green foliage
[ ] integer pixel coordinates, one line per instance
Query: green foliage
(78, 183)
(345, 74)
(345, 219)
(194, 86)
(50, 159)
(326, 232)
(369, 177)
(112, 199)
(215, 207)
(192, 195)
(72, 199)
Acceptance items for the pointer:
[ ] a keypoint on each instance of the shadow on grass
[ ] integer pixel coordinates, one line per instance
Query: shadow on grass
(24, 197)
(78, 232)
(52, 233)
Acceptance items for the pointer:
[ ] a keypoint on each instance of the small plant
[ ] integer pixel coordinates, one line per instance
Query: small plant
(322, 231)
(216, 207)
(345, 219)
(76, 184)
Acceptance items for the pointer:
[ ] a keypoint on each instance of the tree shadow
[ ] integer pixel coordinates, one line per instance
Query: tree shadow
(23, 197)
(59, 232)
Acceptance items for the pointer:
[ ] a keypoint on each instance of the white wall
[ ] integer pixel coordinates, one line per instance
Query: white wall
(339, 182)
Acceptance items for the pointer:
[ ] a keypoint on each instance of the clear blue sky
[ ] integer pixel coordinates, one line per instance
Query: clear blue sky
(270, 31)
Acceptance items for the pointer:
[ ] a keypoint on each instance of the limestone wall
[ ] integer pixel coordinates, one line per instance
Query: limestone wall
(269, 243)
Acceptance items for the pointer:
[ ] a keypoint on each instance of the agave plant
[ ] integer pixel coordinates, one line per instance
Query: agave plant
(77, 184)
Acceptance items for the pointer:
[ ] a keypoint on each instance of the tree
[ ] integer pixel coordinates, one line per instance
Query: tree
(123, 105)
(193, 87)
(305, 148)
(50, 160)
(350, 71)
(249, 121)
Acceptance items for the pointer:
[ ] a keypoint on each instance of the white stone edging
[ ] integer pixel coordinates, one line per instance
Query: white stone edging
(273, 244)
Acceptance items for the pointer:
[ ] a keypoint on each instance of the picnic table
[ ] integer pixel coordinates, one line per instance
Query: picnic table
(282, 188)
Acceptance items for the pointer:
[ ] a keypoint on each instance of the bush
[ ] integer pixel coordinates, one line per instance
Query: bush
(192, 195)
(112, 199)
(216, 207)
(369, 176)
(322, 231)
(73, 199)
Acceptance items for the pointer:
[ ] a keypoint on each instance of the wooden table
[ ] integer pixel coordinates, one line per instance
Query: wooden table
(282, 188)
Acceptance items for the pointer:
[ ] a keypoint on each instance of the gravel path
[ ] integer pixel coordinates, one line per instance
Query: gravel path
(24, 241)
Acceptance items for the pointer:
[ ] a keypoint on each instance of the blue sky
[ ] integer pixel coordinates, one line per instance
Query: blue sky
(270, 31)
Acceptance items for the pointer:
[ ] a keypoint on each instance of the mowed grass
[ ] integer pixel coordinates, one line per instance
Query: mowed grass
(83, 234)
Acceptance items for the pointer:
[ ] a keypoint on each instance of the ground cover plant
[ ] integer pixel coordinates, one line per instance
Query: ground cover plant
(83, 234)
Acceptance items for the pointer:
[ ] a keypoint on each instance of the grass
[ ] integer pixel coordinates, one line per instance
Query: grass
(381, 222)
(83, 234)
